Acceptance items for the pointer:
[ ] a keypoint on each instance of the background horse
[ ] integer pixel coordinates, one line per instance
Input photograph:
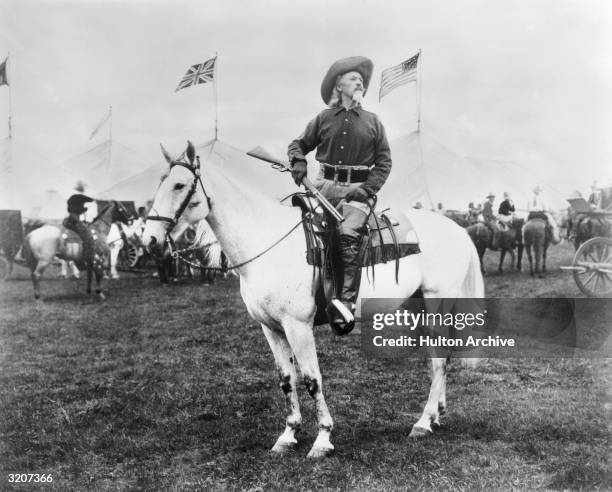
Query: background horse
(278, 286)
(538, 236)
(117, 235)
(44, 243)
(510, 239)
(507, 241)
(198, 250)
(480, 235)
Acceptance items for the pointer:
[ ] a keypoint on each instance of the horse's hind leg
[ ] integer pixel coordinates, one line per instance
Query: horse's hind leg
(435, 402)
(301, 340)
(530, 258)
(283, 358)
(99, 273)
(37, 274)
(502, 257)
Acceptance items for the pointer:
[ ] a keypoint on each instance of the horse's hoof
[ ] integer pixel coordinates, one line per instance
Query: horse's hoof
(319, 452)
(419, 432)
(102, 296)
(114, 277)
(282, 447)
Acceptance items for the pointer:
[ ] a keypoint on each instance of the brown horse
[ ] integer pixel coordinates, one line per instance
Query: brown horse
(510, 239)
(539, 236)
(506, 241)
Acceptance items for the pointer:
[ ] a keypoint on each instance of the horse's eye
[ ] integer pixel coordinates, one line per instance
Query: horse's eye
(179, 186)
(194, 204)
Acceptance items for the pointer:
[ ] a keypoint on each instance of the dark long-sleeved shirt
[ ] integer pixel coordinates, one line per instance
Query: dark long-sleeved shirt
(506, 207)
(353, 137)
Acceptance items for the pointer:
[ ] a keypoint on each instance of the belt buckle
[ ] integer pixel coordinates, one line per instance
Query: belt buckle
(348, 176)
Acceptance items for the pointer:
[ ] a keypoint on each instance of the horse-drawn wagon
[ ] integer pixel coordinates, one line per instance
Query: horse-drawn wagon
(592, 264)
(11, 237)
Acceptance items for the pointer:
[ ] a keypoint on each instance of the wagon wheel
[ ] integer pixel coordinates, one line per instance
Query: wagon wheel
(128, 256)
(5, 268)
(594, 259)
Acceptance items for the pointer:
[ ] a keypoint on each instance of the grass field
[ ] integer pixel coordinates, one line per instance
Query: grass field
(173, 388)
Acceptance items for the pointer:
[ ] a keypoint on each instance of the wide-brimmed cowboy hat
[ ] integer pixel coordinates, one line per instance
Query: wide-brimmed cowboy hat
(490, 195)
(359, 64)
(537, 189)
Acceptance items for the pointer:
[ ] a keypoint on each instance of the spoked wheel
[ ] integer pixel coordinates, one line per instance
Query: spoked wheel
(5, 268)
(128, 256)
(593, 267)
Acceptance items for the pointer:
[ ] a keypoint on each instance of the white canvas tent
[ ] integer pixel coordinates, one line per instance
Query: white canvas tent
(104, 165)
(244, 169)
(31, 183)
(427, 171)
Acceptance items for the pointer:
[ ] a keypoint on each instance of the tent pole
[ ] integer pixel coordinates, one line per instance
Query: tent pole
(10, 125)
(216, 73)
(418, 91)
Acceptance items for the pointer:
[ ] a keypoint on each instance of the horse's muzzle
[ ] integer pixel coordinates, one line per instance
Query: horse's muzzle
(155, 249)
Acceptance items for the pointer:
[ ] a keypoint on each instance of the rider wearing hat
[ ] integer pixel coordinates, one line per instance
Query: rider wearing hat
(76, 208)
(355, 161)
(490, 220)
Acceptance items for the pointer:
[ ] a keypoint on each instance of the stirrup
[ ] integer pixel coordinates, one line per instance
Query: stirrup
(343, 310)
(341, 318)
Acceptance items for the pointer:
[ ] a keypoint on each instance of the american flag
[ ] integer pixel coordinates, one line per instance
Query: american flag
(198, 74)
(398, 75)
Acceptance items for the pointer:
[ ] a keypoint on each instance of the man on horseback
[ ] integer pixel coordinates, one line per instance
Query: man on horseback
(76, 208)
(490, 220)
(538, 209)
(506, 210)
(355, 161)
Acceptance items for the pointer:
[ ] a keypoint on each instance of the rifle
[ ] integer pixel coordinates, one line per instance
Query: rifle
(264, 155)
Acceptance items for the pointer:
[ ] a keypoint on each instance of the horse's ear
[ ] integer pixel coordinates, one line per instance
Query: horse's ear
(166, 155)
(190, 152)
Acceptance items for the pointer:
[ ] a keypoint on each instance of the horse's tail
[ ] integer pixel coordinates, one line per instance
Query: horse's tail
(473, 284)
(28, 254)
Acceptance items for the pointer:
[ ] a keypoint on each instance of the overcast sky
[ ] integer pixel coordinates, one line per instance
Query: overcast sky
(525, 81)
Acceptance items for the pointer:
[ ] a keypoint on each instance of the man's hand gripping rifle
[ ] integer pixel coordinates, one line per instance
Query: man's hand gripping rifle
(283, 166)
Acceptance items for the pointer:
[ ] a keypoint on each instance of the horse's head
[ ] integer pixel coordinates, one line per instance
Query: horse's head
(120, 213)
(180, 201)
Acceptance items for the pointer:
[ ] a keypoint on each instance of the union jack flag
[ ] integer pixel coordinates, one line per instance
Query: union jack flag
(398, 75)
(198, 74)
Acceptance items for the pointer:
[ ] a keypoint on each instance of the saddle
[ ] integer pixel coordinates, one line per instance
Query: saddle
(71, 246)
(385, 239)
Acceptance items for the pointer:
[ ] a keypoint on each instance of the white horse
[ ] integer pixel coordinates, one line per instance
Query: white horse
(116, 243)
(278, 286)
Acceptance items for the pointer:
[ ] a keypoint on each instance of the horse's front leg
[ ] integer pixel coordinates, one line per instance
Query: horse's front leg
(436, 403)
(544, 250)
(99, 272)
(302, 342)
(115, 248)
(283, 357)
(519, 254)
(89, 278)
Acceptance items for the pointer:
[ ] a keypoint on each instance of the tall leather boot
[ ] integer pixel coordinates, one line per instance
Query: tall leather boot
(341, 311)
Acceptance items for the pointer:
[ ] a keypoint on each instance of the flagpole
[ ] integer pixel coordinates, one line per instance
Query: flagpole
(418, 92)
(10, 125)
(110, 137)
(215, 76)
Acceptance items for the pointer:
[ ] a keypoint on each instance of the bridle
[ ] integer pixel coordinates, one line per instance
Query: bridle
(195, 171)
